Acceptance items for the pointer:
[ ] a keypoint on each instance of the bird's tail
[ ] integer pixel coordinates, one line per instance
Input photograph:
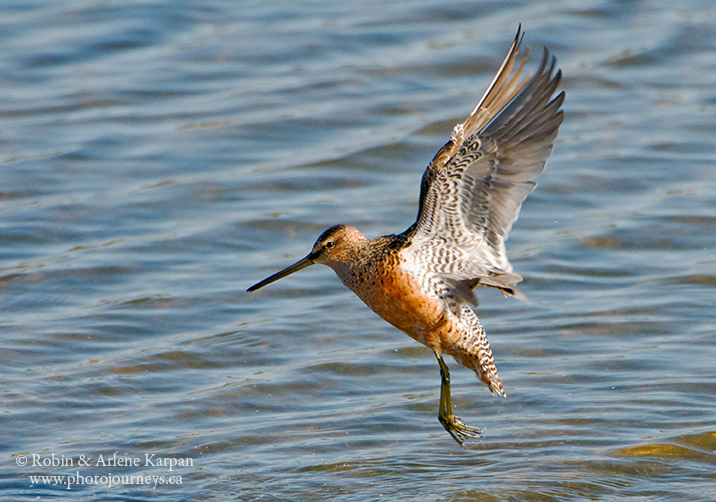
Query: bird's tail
(472, 350)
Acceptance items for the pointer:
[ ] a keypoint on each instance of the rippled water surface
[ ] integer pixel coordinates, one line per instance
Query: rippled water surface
(157, 158)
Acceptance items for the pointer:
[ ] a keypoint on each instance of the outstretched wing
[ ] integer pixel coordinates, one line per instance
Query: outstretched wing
(472, 191)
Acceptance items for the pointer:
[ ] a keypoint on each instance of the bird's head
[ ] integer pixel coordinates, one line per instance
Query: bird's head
(336, 247)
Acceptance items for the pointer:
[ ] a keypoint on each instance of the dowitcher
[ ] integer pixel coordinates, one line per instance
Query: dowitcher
(421, 281)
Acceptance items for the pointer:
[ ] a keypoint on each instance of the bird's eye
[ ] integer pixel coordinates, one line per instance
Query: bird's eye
(330, 244)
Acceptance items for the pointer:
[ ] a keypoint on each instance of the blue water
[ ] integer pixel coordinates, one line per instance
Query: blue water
(158, 158)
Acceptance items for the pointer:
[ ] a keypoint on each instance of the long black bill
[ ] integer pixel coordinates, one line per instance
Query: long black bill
(306, 262)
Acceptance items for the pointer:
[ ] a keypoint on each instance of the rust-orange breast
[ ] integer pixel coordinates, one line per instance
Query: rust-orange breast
(401, 299)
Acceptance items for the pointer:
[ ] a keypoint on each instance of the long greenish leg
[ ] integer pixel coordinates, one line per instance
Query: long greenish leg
(457, 429)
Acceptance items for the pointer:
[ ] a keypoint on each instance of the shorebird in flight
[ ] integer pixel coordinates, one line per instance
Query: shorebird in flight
(421, 281)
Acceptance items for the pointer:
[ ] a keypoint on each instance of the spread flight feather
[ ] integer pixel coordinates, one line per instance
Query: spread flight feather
(472, 191)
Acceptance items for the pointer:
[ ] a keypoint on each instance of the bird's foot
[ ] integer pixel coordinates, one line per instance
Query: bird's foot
(457, 429)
